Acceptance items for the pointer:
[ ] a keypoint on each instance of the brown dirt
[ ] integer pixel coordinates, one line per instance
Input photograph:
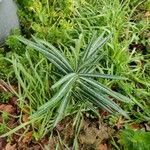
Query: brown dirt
(94, 135)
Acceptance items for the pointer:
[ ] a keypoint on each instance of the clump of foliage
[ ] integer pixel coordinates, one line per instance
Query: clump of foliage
(76, 76)
(3, 124)
(61, 22)
(5, 96)
(4, 66)
(130, 139)
(74, 71)
(48, 19)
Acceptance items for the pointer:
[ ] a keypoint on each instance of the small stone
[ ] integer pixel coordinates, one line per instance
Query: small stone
(8, 19)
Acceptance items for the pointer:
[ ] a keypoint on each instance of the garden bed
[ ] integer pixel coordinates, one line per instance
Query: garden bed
(29, 81)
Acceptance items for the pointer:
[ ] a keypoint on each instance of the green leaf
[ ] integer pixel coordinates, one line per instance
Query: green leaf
(105, 76)
(93, 47)
(88, 65)
(101, 87)
(55, 99)
(56, 52)
(62, 108)
(63, 80)
(99, 43)
(50, 56)
(107, 102)
(88, 47)
(94, 100)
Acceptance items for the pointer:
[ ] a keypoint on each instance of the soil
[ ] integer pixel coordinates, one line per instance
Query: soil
(93, 134)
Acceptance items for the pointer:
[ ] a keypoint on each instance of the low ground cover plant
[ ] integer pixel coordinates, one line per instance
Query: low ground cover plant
(77, 76)
(65, 78)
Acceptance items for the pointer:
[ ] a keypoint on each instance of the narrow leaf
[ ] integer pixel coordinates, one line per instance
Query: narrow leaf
(104, 100)
(99, 43)
(63, 80)
(94, 100)
(62, 108)
(50, 56)
(55, 99)
(101, 87)
(105, 76)
(55, 51)
(88, 47)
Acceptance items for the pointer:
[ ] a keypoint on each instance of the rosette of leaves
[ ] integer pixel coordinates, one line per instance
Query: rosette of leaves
(77, 76)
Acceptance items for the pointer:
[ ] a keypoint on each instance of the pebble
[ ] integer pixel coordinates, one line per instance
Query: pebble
(8, 19)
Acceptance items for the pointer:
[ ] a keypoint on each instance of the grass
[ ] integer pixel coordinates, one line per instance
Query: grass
(78, 73)
(131, 139)
(62, 23)
(75, 83)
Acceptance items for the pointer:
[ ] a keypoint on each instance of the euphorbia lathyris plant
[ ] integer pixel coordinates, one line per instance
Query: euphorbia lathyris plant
(77, 77)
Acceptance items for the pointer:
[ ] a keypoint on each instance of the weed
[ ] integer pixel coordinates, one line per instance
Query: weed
(5, 96)
(131, 139)
(61, 23)
(76, 73)
(3, 124)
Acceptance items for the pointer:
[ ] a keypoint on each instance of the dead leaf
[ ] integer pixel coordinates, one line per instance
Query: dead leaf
(28, 137)
(25, 118)
(50, 145)
(2, 143)
(103, 147)
(147, 127)
(120, 123)
(135, 126)
(10, 147)
(2, 89)
(59, 127)
(13, 101)
(147, 14)
(68, 129)
(91, 135)
(104, 113)
(6, 87)
(35, 147)
(7, 108)
(25, 109)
